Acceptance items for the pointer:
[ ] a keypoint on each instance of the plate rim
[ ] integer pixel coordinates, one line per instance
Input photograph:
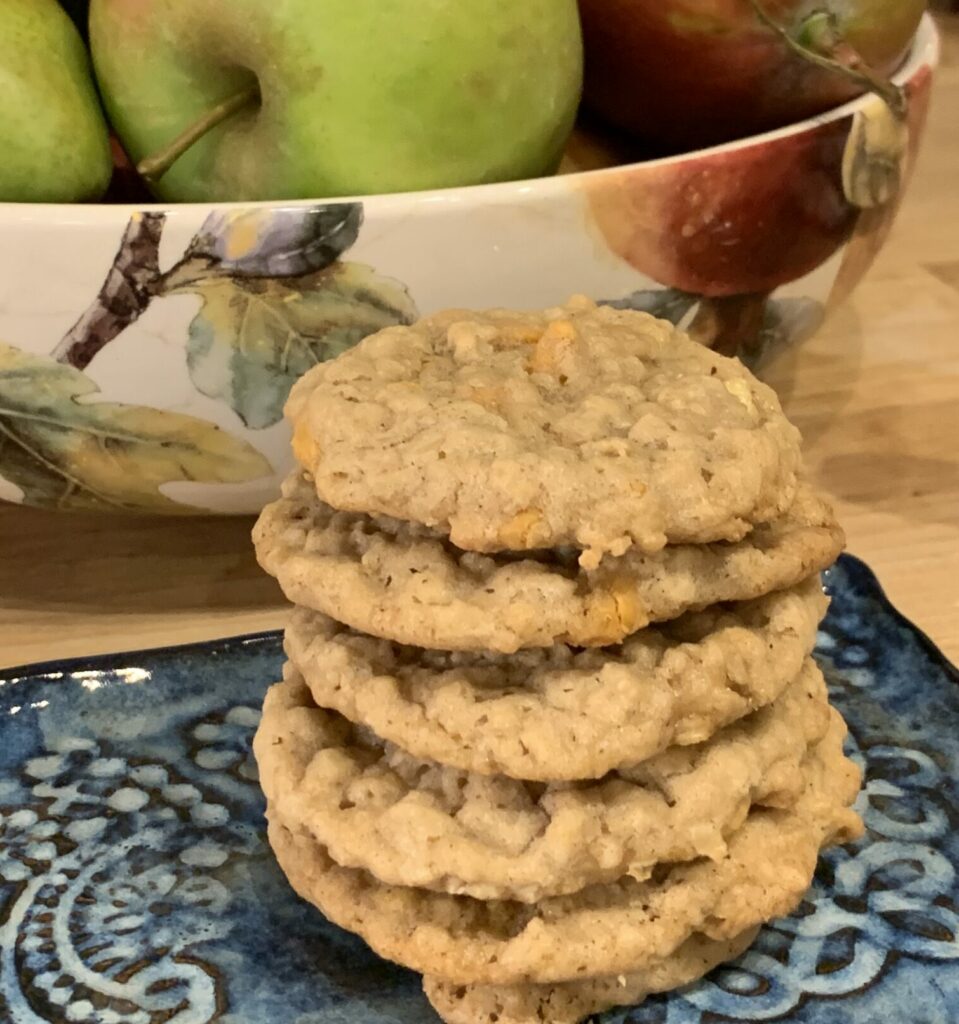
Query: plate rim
(862, 573)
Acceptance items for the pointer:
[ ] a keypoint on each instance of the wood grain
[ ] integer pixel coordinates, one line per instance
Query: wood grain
(876, 394)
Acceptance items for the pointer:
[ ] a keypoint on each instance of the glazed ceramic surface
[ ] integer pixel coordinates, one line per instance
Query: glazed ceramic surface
(145, 354)
(136, 886)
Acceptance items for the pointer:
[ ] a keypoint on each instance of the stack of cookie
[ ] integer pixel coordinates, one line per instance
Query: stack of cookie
(550, 732)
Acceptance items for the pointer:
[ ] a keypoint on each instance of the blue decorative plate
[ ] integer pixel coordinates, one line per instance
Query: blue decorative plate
(137, 887)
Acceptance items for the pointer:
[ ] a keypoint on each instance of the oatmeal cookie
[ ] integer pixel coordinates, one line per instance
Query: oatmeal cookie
(560, 713)
(407, 583)
(603, 930)
(413, 822)
(582, 425)
(570, 1002)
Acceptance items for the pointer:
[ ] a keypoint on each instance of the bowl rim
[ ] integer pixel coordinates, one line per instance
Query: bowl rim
(925, 51)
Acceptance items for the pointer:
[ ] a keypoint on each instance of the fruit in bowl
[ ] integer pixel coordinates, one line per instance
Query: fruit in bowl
(146, 349)
(340, 97)
(55, 144)
(689, 73)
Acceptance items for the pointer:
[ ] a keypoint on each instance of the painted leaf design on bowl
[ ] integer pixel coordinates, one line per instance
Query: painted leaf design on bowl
(66, 450)
(277, 301)
(254, 337)
(274, 243)
(670, 304)
(774, 322)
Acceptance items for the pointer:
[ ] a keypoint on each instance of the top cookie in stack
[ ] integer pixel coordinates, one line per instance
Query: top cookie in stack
(498, 481)
(556, 578)
(586, 426)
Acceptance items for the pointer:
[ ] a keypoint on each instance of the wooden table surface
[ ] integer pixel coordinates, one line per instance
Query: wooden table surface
(876, 395)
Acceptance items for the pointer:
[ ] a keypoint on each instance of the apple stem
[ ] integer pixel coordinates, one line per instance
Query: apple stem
(152, 168)
(820, 42)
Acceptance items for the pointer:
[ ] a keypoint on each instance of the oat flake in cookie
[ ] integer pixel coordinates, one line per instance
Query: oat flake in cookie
(586, 426)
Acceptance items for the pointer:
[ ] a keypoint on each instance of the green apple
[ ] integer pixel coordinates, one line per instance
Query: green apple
(52, 132)
(340, 97)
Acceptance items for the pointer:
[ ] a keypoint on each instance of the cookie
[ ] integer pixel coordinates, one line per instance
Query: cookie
(407, 583)
(559, 713)
(570, 1002)
(412, 822)
(600, 931)
(587, 426)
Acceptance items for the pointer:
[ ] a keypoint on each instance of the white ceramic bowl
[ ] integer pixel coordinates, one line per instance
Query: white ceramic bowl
(146, 352)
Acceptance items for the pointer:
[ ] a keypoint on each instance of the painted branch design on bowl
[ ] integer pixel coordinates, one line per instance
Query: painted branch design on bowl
(276, 299)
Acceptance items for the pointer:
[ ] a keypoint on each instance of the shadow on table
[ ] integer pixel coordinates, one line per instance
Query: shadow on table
(817, 379)
(132, 564)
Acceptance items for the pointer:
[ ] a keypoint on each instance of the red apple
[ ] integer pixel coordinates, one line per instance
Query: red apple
(126, 185)
(737, 221)
(690, 73)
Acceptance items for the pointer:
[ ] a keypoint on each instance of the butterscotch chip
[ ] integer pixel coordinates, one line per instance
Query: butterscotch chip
(601, 931)
(305, 449)
(413, 822)
(617, 428)
(572, 1001)
(563, 713)
(555, 350)
(407, 583)
(521, 530)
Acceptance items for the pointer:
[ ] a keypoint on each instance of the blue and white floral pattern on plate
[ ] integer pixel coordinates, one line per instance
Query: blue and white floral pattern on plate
(136, 886)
